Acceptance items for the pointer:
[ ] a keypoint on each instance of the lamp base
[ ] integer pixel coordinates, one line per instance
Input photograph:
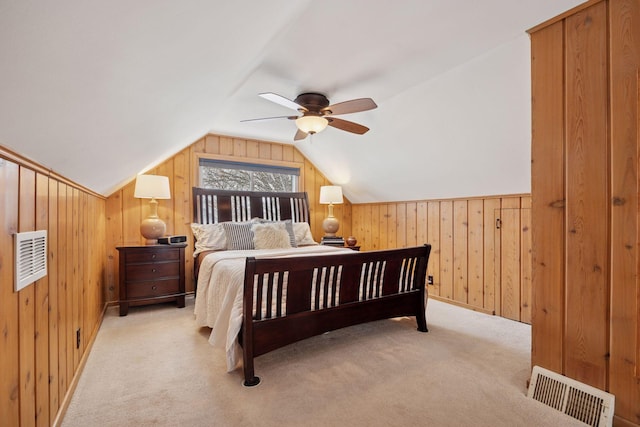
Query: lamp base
(330, 225)
(152, 228)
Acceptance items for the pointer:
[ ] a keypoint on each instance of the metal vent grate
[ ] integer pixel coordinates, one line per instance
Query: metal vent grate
(31, 257)
(580, 401)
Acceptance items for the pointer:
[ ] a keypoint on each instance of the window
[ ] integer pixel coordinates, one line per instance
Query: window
(229, 175)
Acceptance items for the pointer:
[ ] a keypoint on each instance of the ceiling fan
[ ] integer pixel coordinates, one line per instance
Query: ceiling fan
(317, 114)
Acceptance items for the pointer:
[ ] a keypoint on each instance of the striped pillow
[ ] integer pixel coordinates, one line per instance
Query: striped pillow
(239, 235)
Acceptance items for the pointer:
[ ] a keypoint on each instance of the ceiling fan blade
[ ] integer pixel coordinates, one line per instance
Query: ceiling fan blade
(270, 118)
(353, 106)
(347, 125)
(279, 99)
(300, 135)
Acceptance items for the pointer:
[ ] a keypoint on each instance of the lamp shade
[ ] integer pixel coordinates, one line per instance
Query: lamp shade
(331, 194)
(152, 187)
(311, 124)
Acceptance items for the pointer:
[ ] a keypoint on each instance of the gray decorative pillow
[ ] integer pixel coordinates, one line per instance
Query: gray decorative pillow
(239, 235)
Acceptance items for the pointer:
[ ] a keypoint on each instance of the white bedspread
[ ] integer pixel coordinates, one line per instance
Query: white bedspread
(218, 302)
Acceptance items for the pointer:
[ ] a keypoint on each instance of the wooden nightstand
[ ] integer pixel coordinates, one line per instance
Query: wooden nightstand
(150, 275)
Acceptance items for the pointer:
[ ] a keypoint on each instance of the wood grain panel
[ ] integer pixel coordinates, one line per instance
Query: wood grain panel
(422, 220)
(401, 225)
(26, 301)
(76, 284)
(548, 197)
(586, 339)
(410, 234)
(383, 226)
(475, 253)
(624, 377)
(63, 325)
(392, 228)
(70, 284)
(42, 310)
(226, 146)
(115, 229)
(240, 149)
(372, 235)
(525, 261)
(9, 339)
(52, 266)
(460, 250)
(510, 263)
(491, 246)
(433, 238)
(182, 207)
(446, 249)
(211, 145)
(166, 210)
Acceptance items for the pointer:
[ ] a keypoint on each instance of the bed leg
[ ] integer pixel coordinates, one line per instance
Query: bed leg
(421, 319)
(252, 382)
(250, 379)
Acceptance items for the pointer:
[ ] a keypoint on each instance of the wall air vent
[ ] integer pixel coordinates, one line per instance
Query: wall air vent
(31, 257)
(590, 405)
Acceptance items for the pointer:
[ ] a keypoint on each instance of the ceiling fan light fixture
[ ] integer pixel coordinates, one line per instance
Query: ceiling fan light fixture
(311, 124)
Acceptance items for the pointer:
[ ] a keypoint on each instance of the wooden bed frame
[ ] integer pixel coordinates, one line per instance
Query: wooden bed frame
(313, 294)
(212, 206)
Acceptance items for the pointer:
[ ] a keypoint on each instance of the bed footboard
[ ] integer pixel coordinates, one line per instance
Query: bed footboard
(290, 299)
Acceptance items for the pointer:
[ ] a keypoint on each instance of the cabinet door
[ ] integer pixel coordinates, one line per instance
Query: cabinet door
(514, 263)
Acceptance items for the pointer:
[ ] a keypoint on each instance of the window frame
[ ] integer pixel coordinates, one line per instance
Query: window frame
(248, 160)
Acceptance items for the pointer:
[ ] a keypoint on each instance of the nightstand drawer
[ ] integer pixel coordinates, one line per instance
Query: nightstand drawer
(153, 288)
(136, 272)
(153, 255)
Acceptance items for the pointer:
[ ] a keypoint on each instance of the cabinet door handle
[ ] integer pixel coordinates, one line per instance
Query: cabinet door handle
(153, 270)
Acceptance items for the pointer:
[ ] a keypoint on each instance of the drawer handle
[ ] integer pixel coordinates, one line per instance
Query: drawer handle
(153, 270)
(153, 256)
(154, 287)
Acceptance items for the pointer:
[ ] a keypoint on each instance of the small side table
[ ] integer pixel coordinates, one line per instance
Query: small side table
(151, 274)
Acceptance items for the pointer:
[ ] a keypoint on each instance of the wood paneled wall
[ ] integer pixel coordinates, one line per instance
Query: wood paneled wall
(481, 247)
(39, 355)
(124, 212)
(585, 183)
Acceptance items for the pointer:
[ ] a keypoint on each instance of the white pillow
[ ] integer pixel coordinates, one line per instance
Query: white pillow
(303, 234)
(209, 237)
(270, 236)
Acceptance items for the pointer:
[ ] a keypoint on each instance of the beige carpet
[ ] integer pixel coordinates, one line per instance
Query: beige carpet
(155, 368)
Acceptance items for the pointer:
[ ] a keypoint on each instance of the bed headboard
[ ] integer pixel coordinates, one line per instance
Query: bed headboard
(211, 206)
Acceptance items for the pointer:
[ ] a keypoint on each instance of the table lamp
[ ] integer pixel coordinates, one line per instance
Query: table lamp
(330, 195)
(152, 187)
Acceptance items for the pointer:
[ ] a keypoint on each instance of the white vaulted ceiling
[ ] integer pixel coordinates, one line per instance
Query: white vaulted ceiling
(100, 91)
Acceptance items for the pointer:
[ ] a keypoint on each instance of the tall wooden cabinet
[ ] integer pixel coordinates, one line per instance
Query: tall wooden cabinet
(585, 234)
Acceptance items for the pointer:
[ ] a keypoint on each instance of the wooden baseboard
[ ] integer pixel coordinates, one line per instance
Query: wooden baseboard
(621, 422)
(461, 304)
(64, 405)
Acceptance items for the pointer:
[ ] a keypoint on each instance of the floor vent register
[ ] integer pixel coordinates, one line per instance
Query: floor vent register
(588, 404)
